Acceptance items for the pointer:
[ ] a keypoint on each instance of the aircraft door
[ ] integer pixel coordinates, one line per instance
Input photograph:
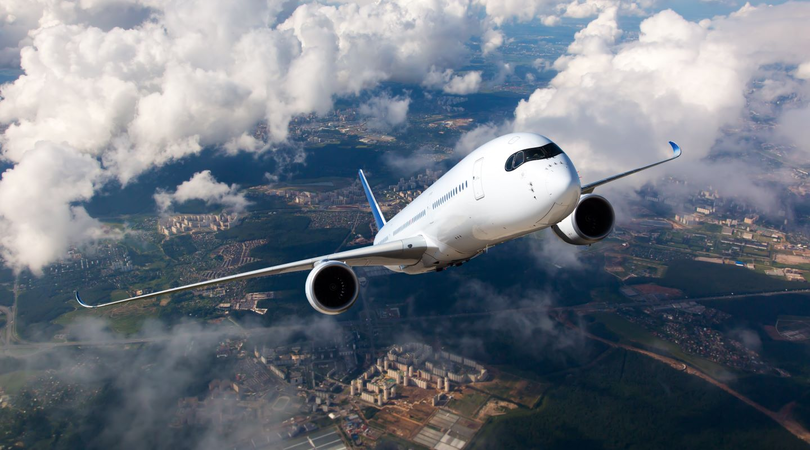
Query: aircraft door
(478, 184)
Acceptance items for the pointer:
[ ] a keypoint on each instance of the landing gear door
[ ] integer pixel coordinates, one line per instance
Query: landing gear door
(478, 185)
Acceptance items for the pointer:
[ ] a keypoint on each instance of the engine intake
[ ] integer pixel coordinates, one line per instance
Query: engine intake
(591, 221)
(332, 287)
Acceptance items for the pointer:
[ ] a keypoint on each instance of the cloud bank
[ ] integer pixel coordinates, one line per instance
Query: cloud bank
(115, 88)
(614, 104)
(126, 86)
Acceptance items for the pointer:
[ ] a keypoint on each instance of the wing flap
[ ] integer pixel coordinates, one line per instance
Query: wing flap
(404, 252)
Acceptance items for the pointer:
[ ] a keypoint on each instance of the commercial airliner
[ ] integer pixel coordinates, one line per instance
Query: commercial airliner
(507, 188)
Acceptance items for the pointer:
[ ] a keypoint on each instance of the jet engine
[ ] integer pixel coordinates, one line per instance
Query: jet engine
(332, 287)
(591, 221)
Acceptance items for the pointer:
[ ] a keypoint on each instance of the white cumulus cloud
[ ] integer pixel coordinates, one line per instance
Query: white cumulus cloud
(446, 80)
(203, 186)
(125, 86)
(615, 105)
(38, 215)
(385, 112)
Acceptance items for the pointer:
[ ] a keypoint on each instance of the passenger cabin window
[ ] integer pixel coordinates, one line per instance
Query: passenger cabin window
(531, 154)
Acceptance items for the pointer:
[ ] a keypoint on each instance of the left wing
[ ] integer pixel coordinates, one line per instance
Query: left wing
(588, 188)
(405, 252)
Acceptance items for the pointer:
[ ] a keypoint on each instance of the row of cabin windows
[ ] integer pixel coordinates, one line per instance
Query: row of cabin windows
(444, 198)
(517, 159)
(408, 223)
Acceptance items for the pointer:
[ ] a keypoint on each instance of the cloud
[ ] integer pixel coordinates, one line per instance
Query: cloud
(523, 317)
(749, 338)
(550, 11)
(478, 136)
(385, 112)
(614, 105)
(793, 125)
(468, 83)
(411, 163)
(203, 186)
(504, 70)
(38, 213)
(462, 85)
(137, 84)
(129, 394)
(491, 40)
(18, 17)
(552, 253)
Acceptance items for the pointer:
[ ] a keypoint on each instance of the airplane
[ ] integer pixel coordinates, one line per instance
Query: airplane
(509, 187)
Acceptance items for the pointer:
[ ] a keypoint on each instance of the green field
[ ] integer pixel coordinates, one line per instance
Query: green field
(179, 246)
(701, 279)
(124, 319)
(469, 403)
(261, 227)
(300, 244)
(12, 382)
(629, 401)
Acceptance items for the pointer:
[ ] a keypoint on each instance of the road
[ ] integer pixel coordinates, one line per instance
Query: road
(761, 294)
(787, 423)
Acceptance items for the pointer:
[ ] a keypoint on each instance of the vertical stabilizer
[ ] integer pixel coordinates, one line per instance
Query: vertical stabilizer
(375, 208)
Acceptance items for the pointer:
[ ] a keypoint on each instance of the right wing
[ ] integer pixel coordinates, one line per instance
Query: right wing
(588, 188)
(405, 252)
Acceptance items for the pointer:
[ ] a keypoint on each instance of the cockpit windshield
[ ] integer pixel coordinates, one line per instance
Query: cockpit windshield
(531, 154)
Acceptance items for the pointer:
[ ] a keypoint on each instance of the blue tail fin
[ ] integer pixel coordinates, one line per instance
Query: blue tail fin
(375, 209)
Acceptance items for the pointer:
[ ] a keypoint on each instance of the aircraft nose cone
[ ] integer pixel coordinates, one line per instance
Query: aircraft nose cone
(562, 181)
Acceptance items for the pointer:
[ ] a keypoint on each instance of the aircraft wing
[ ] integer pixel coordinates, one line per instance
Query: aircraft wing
(404, 252)
(588, 188)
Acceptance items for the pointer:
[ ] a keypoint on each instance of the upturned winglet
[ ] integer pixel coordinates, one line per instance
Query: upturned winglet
(676, 149)
(79, 299)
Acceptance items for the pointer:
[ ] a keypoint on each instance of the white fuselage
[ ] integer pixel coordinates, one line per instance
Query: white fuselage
(478, 203)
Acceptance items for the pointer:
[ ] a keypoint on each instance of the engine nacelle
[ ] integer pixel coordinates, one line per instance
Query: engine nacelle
(591, 221)
(332, 287)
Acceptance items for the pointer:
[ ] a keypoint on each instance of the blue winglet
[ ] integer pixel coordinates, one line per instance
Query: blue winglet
(375, 209)
(676, 149)
(79, 299)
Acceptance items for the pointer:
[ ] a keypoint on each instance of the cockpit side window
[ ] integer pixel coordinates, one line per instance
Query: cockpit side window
(517, 159)
(509, 160)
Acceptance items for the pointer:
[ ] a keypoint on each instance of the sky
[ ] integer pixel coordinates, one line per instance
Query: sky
(103, 91)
